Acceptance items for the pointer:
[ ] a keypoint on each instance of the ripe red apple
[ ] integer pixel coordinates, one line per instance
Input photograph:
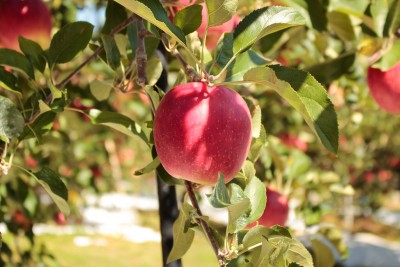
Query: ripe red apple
(385, 88)
(213, 33)
(200, 130)
(28, 18)
(276, 211)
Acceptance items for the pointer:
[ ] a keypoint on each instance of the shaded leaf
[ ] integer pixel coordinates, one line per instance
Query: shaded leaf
(219, 197)
(54, 186)
(34, 53)
(115, 14)
(189, 18)
(112, 53)
(9, 82)
(392, 23)
(69, 41)
(331, 70)
(39, 126)
(341, 25)
(17, 61)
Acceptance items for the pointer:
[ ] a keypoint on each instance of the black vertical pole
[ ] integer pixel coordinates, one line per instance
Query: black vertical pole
(167, 201)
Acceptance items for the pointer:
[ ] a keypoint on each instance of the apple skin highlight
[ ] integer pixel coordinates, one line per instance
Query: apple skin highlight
(200, 130)
(385, 88)
(28, 18)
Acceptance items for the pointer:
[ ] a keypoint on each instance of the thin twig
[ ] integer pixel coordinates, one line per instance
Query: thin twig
(141, 56)
(204, 225)
(117, 29)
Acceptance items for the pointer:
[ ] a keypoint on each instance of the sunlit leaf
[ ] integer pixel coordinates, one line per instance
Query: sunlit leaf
(11, 120)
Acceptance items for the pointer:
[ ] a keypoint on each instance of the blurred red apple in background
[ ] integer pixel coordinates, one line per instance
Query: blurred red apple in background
(28, 18)
(59, 218)
(276, 211)
(385, 88)
(200, 130)
(293, 141)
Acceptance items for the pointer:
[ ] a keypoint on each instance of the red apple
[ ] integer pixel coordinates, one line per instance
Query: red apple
(28, 18)
(276, 211)
(293, 141)
(200, 130)
(59, 218)
(19, 219)
(385, 88)
(213, 33)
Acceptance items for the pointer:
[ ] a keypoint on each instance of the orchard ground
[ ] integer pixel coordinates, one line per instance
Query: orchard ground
(125, 227)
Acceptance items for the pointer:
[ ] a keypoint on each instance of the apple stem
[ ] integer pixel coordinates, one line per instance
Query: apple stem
(117, 29)
(204, 225)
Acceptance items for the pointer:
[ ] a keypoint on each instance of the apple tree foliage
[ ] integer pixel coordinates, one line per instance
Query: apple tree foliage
(301, 61)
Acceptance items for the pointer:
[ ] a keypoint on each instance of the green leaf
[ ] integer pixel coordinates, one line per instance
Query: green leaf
(390, 58)
(17, 61)
(297, 253)
(351, 7)
(392, 23)
(262, 22)
(322, 253)
(69, 41)
(112, 53)
(183, 237)
(154, 70)
(341, 25)
(9, 82)
(273, 255)
(248, 170)
(333, 69)
(237, 220)
(118, 122)
(242, 63)
(256, 122)
(189, 18)
(306, 95)
(379, 11)
(39, 126)
(11, 120)
(297, 164)
(100, 89)
(219, 197)
(255, 235)
(220, 11)
(54, 186)
(115, 14)
(257, 144)
(256, 192)
(153, 12)
(224, 50)
(149, 167)
(34, 53)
